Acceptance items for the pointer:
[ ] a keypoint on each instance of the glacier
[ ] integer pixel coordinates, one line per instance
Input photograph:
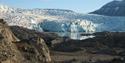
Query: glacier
(60, 20)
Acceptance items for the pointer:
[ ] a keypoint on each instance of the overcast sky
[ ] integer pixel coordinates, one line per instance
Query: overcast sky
(81, 6)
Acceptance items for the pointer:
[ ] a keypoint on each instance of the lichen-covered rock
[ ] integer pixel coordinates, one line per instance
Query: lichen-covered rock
(16, 50)
(43, 49)
(8, 50)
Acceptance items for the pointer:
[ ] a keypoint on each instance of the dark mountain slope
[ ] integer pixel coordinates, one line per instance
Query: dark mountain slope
(114, 8)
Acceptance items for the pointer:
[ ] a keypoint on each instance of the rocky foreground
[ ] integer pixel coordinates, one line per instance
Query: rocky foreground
(16, 50)
(21, 45)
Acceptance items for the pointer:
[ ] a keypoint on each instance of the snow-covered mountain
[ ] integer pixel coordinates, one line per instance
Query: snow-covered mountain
(59, 20)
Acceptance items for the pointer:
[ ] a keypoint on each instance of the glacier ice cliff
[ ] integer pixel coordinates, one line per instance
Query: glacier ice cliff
(69, 26)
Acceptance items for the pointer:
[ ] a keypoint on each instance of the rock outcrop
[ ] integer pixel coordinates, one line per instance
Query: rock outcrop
(8, 51)
(114, 8)
(16, 50)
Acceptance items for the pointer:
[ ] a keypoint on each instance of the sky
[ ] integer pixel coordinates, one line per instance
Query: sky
(81, 6)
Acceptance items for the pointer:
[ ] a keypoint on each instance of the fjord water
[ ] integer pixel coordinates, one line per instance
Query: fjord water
(76, 35)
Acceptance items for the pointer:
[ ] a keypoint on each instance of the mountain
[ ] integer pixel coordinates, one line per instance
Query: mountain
(114, 8)
(59, 20)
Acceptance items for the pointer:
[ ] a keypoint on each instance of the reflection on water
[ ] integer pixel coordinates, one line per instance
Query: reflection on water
(74, 35)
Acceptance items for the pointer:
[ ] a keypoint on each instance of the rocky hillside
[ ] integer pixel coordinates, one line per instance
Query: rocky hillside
(114, 8)
(16, 50)
(21, 45)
